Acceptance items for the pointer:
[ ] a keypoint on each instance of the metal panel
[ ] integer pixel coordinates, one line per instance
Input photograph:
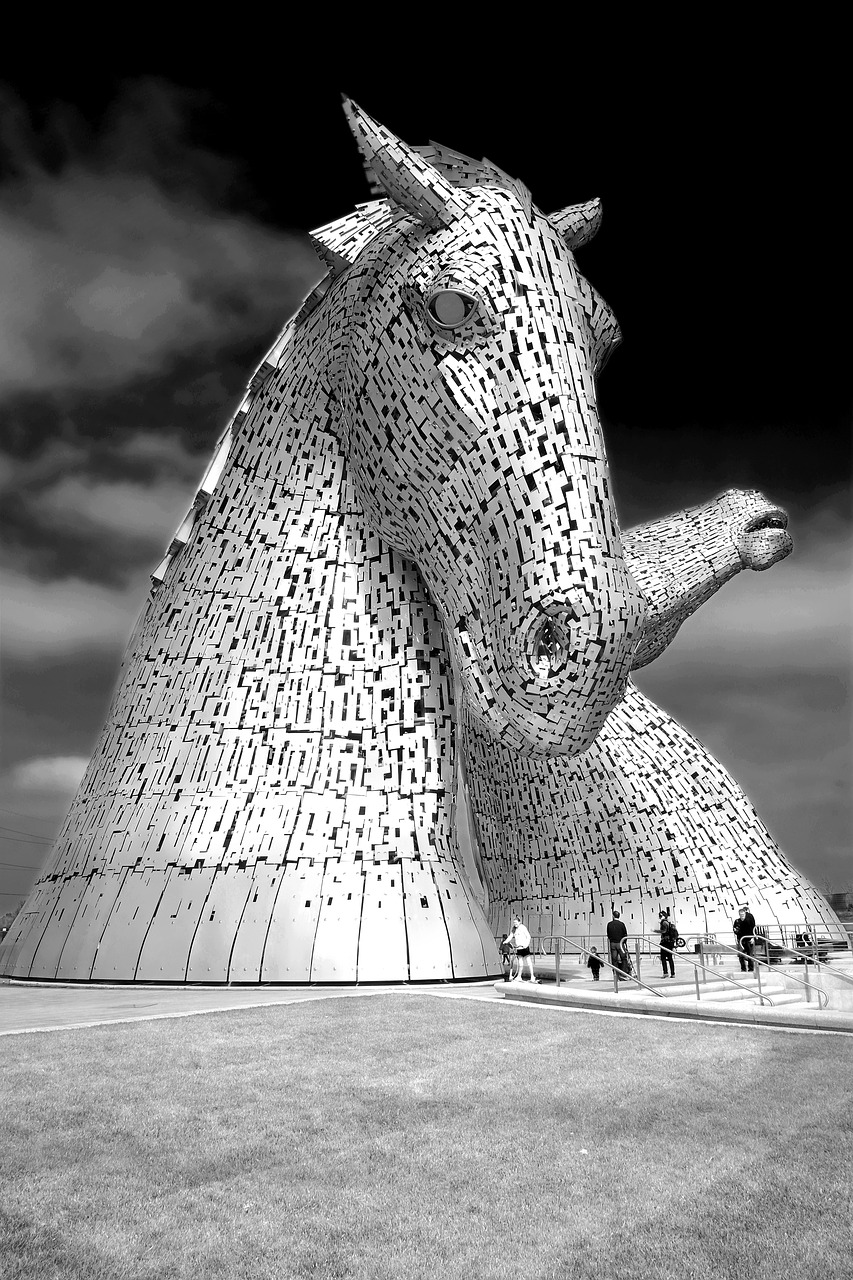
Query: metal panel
(33, 929)
(27, 930)
(287, 956)
(382, 950)
(166, 949)
(466, 947)
(118, 953)
(49, 950)
(487, 939)
(211, 947)
(336, 942)
(429, 945)
(252, 930)
(78, 954)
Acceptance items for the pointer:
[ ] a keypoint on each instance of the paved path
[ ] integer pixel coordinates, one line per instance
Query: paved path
(52, 1006)
(29, 1007)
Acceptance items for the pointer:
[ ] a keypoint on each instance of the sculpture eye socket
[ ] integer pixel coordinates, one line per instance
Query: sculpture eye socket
(450, 309)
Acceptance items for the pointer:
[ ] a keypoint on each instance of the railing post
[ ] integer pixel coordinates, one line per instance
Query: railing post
(696, 979)
(757, 967)
(808, 984)
(637, 954)
(557, 960)
(702, 960)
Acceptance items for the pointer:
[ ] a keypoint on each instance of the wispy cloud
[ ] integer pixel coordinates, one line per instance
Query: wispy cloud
(49, 620)
(90, 505)
(49, 773)
(118, 251)
(101, 511)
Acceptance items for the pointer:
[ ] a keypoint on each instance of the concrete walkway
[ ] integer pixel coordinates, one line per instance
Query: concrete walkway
(53, 1006)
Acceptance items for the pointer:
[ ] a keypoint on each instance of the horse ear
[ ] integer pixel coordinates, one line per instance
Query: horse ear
(577, 223)
(406, 178)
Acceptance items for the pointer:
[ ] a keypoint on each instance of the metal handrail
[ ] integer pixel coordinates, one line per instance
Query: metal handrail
(767, 943)
(697, 965)
(835, 971)
(554, 937)
(735, 951)
(788, 929)
(654, 941)
(809, 953)
(790, 977)
(758, 964)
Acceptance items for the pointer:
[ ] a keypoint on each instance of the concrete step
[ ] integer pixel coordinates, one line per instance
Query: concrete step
(742, 989)
(594, 996)
(716, 990)
(780, 997)
(724, 991)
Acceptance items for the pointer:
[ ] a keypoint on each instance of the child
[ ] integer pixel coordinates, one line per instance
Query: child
(594, 963)
(507, 949)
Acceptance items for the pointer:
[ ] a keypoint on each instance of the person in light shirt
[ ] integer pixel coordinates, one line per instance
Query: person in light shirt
(521, 938)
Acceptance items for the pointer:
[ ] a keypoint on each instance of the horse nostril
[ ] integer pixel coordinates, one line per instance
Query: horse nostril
(769, 520)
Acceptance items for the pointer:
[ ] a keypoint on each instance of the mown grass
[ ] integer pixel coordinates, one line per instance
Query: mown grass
(410, 1136)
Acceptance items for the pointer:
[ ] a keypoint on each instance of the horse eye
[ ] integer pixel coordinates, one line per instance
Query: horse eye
(450, 309)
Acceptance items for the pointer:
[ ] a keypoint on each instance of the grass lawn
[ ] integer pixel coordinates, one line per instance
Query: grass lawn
(412, 1136)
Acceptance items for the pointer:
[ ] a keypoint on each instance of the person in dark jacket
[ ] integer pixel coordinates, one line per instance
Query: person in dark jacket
(744, 928)
(594, 963)
(668, 938)
(616, 934)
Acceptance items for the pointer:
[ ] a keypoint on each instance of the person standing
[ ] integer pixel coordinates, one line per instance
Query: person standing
(594, 963)
(616, 935)
(521, 937)
(744, 929)
(668, 939)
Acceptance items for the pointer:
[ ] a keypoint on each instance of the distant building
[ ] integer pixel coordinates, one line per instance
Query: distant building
(842, 904)
(6, 921)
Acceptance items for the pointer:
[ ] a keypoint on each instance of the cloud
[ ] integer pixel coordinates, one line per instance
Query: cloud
(100, 510)
(49, 773)
(140, 455)
(78, 504)
(41, 621)
(124, 256)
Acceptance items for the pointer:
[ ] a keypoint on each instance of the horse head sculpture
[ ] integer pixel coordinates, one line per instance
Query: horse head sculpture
(403, 571)
(464, 346)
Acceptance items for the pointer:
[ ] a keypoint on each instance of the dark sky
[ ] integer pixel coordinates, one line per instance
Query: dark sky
(153, 207)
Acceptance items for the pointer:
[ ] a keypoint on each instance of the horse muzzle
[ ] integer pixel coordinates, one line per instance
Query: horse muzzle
(765, 540)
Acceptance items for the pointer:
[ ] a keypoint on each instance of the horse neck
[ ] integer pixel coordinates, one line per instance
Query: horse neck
(353, 689)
